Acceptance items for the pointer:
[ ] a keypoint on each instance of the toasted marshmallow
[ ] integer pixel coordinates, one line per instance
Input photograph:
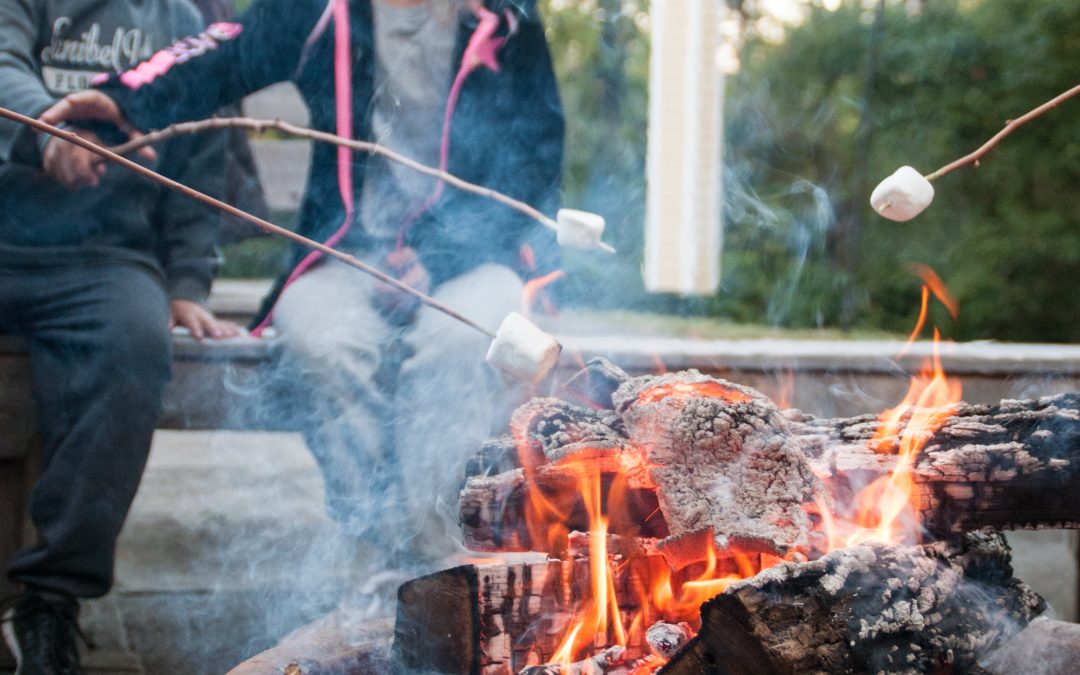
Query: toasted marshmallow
(522, 350)
(579, 229)
(903, 195)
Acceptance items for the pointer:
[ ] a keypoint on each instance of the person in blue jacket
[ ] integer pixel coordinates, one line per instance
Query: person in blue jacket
(396, 396)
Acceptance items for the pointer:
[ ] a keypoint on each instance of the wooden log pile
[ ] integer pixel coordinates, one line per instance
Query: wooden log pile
(696, 462)
(700, 454)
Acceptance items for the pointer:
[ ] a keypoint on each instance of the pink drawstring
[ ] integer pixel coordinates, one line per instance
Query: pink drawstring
(481, 50)
(344, 128)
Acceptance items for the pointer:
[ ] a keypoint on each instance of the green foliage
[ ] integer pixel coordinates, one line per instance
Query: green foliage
(1004, 237)
(601, 53)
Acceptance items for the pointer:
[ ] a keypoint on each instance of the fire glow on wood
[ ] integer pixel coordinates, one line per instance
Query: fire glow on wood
(684, 517)
(882, 512)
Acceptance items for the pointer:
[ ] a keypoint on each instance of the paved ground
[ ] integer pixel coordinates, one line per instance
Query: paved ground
(226, 549)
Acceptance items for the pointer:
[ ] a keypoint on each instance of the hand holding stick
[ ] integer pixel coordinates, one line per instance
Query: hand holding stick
(243, 215)
(519, 349)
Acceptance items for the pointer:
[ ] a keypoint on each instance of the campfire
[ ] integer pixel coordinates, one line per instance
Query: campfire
(686, 524)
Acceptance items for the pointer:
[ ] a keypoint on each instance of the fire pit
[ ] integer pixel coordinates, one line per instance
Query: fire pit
(685, 523)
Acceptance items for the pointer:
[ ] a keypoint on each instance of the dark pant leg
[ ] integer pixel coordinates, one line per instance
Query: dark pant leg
(100, 353)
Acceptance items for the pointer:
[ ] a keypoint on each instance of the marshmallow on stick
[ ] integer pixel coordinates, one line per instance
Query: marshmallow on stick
(903, 195)
(522, 350)
(578, 229)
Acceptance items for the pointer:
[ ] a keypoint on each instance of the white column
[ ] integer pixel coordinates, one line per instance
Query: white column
(683, 233)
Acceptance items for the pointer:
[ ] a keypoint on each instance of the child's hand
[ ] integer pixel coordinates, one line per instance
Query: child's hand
(72, 166)
(199, 321)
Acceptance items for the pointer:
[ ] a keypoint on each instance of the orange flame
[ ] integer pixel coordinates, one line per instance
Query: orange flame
(882, 512)
(533, 287)
(602, 609)
(883, 509)
(933, 282)
(886, 503)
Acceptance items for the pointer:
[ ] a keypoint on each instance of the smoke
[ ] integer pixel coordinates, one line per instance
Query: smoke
(775, 270)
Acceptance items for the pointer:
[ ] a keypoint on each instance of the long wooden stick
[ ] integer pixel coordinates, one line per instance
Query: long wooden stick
(1012, 126)
(261, 125)
(243, 215)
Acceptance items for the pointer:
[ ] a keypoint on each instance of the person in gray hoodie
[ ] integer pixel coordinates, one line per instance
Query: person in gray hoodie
(92, 279)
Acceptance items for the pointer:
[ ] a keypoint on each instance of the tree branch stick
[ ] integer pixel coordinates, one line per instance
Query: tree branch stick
(243, 215)
(260, 126)
(974, 157)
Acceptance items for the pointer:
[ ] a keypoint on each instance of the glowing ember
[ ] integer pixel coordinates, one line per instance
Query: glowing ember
(708, 389)
(532, 289)
(668, 599)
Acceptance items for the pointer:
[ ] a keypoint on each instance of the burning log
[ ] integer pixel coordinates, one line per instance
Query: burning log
(502, 618)
(722, 459)
(700, 455)
(711, 456)
(1013, 465)
(869, 608)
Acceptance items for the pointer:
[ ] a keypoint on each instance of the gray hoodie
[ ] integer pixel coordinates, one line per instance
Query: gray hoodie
(49, 48)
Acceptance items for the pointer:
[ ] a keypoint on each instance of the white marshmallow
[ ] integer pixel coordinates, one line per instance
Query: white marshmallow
(522, 350)
(903, 195)
(579, 229)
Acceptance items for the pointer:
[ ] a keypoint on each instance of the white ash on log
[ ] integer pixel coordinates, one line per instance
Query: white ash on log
(548, 430)
(595, 665)
(722, 459)
(1009, 466)
(1013, 465)
(867, 609)
(666, 639)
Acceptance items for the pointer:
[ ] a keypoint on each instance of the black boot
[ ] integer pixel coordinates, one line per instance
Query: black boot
(42, 632)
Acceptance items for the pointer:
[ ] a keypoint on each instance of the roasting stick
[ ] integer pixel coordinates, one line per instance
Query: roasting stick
(243, 215)
(576, 229)
(906, 193)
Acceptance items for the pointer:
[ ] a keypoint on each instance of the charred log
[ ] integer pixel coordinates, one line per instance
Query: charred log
(1013, 465)
(501, 618)
(878, 609)
(718, 458)
(594, 384)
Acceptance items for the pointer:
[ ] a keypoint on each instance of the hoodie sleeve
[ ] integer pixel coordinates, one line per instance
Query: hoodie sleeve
(197, 75)
(21, 88)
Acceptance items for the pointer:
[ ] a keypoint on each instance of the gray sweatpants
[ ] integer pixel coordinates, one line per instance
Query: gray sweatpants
(395, 412)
